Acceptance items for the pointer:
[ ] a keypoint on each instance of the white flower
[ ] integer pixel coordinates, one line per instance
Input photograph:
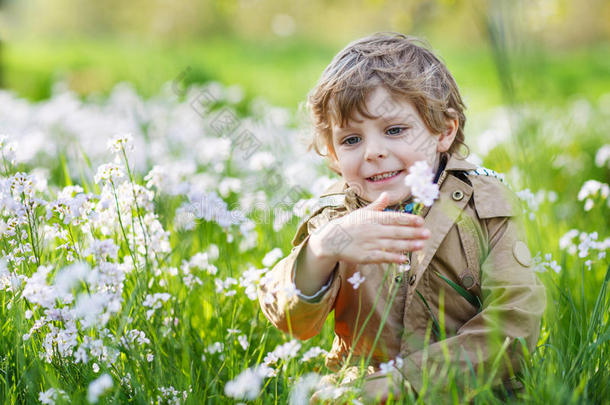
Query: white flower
(224, 285)
(48, 397)
(565, 242)
(243, 341)
(291, 290)
(272, 256)
(228, 185)
(285, 351)
(108, 172)
(155, 301)
(356, 279)
(80, 355)
(102, 249)
(22, 183)
(304, 388)
(313, 352)
(215, 347)
(98, 387)
(246, 385)
(250, 279)
(590, 190)
(385, 368)
(70, 276)
(421, 181)
(551, 264)
(602, 156)
(8, 149)
(261, 160)
(150, 357)
(120, 141)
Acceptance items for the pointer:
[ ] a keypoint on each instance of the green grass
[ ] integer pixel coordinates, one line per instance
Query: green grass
(284, 71)
(570, 364)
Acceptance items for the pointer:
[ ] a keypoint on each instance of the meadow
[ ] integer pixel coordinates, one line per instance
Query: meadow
(136, 227)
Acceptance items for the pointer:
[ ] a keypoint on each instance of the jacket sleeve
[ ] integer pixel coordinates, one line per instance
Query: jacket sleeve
(288, 309)
(513, 302)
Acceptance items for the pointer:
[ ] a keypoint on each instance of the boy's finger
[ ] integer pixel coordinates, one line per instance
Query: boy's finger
(399, 218)
(379, 204)
(402, 232)
(401, 245)
(380, 256)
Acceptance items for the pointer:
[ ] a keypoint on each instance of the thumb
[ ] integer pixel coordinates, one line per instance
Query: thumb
(380, 203)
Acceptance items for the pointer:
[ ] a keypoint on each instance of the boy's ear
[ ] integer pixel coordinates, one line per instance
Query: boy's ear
(446, 138)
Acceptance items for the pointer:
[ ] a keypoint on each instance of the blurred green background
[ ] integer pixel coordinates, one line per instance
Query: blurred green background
(556, 50)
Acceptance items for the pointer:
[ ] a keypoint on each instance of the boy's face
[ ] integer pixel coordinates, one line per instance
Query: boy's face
(374, 155)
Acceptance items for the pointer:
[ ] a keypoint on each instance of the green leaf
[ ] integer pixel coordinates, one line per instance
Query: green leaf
(473, 299)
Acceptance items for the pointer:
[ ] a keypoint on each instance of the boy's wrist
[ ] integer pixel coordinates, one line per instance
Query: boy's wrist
(318, 249)
(312, 271)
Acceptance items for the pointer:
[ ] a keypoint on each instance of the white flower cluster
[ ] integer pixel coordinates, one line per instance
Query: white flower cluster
(390, 366)
(250, 279)
(421, 181)
(8, 149)
(272, 256)
(304, 388)
(247, 384)
(533, 200)
(284, 352)
(155, 301)
(120, 142)
(51, 395)
(313, 353)
(586, 242)
(591, 190)
(211, 208)
(108, 172)
(541, 266)
(171, 396)
(92, 263)
(224, 286)
(98, 387)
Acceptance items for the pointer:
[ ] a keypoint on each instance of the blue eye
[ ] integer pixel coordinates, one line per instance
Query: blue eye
(395, 131)
(352, 140)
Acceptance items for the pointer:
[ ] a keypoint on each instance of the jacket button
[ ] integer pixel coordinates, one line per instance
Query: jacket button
(457, 195)
(468, 281)
(412, 279)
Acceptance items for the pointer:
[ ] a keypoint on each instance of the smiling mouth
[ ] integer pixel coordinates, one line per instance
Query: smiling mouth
(384, 176)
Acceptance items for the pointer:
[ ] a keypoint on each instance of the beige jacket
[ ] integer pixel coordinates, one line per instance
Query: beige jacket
(476, 242)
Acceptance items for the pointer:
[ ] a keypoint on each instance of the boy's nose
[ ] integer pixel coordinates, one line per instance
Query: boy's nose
(375, 150)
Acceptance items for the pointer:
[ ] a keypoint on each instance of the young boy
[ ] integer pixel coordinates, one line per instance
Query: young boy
(458, 274)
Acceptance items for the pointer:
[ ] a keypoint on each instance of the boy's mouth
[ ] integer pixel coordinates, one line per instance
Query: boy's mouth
(384, 176)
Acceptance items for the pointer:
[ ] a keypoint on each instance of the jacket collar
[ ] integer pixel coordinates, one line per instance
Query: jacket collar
(458, 163)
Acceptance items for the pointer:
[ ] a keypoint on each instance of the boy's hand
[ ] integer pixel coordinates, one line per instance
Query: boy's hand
(371, 235)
